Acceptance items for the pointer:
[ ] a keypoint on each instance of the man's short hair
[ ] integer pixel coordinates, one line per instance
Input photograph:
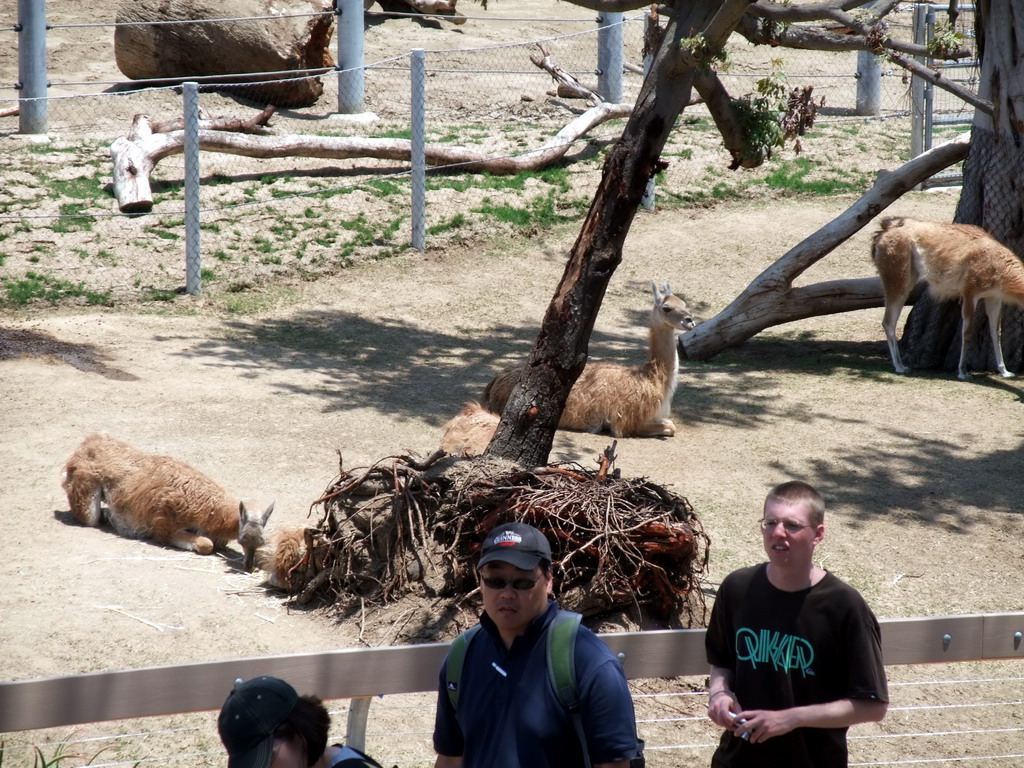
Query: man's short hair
(799, 492)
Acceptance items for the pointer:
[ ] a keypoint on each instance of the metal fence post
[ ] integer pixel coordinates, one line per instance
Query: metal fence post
(351, 75)
(418, 76)
(32, 106)
(869, 84)
(609, 57)
(917, 86)
(647, 201)
(193, 259)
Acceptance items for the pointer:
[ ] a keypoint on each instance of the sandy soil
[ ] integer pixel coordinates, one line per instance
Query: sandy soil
(921, 472)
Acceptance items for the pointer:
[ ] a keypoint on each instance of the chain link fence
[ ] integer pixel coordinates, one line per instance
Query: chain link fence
(298, 217)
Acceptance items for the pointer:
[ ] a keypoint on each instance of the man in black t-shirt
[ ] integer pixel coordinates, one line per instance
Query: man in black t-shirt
(795, 652)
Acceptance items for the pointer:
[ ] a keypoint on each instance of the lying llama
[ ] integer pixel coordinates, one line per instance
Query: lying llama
(470, 431)
(958, 261)
(630, 401)
(157, 497)
(283, 553)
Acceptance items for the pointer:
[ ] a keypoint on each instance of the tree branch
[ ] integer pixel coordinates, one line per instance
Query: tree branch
(770, 299)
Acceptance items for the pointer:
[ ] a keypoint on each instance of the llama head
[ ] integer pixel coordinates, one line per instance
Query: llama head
(251, 533)
(669, 309)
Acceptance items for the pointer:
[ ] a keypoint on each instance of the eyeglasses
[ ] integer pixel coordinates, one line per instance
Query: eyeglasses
(495, 582)
(791, 527)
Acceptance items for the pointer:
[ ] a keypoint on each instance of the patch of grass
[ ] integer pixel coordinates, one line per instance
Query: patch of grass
(538, 213)
(455, 222)
(791, 176)
(39, 286)
(3, 257)
(72, 219)
(150, 293)
(388, 188)
(220, 255)
(556, 177)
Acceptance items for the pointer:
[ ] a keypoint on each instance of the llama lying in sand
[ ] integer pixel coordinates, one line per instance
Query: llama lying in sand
(630, 401)
(281, 556)
(146, 496)
(470, 431)
(959, 262)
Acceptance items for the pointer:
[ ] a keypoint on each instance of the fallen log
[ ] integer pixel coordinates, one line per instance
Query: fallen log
(136, 154)
(229, 39)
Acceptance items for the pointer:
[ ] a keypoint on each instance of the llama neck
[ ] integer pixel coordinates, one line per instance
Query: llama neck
(663, 353)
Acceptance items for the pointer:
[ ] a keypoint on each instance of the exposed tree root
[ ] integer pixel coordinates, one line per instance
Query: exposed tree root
(401, 528)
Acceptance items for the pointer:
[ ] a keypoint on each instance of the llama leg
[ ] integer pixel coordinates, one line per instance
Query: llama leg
(192, 542)
(658, 428)
(993, 308)
(966, 331)
(893, 308)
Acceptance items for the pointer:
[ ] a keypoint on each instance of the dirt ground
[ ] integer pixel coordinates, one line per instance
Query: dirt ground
(921, 472)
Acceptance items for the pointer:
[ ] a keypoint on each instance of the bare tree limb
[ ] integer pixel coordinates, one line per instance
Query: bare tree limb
(771, 299)
(135, 155)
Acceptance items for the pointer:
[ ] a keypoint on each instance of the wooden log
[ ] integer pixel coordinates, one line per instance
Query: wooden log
(136, 154)
(296, 42)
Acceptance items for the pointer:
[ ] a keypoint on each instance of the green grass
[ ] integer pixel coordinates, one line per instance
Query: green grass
(36, 286)
(72, 219)
(791, 176)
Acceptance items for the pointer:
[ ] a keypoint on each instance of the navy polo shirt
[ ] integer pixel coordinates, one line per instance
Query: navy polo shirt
(509, 715)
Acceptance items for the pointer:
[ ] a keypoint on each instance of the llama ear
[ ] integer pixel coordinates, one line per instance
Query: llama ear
(266, 513)
(243, 513)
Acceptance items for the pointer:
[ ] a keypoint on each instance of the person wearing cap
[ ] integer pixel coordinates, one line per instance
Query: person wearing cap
(264, 723)
(508, 714)
(795, 652)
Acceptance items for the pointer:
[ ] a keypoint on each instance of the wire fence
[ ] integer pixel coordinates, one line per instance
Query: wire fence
(940, 715)
(300, 217)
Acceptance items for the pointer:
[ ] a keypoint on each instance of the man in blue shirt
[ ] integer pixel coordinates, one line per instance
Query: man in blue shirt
(508, 714)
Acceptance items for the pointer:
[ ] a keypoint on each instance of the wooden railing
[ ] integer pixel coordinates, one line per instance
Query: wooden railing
(354, 673)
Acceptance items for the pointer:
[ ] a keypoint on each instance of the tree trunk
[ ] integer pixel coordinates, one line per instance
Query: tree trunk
(531, 416)
(179, 51)
(992, 197)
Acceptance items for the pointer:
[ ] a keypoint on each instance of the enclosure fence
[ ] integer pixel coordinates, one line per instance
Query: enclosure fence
(305, 216)
(966, 709)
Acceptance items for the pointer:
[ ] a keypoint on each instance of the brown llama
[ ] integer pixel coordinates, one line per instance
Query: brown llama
(142, 495)
(470, 431)
(629, 401)
(281, 556)
(958, 261)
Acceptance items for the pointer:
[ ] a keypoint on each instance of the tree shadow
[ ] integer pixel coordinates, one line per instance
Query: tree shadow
(17, 342)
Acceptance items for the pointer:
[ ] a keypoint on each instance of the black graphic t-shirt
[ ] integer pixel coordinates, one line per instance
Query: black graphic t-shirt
(790, 649)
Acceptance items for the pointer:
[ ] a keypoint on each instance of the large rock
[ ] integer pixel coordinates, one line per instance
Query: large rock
(296, 42)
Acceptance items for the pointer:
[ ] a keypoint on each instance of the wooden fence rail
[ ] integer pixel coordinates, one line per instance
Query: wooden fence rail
(360, 672)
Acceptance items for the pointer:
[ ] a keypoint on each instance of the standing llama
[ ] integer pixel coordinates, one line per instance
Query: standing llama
(630, 401)
(959, 262)
(157, 497)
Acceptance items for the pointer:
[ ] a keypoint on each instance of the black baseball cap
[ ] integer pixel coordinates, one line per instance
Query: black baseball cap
(520, 544)
(250, 715)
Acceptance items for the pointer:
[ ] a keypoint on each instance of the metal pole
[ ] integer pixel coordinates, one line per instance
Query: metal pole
(32, 105)
(351, 73)
(609, 57)
(647, 201)
(869, 84)
(418, 76)
(193, 259)
(917, 88)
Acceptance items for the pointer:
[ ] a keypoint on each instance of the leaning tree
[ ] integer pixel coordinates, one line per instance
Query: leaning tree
(690, 45)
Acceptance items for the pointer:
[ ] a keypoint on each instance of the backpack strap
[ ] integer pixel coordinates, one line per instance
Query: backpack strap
(456, 657)
(561, 658)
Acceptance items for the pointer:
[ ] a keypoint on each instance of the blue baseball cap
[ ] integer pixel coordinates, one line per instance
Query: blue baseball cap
(520, 544)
